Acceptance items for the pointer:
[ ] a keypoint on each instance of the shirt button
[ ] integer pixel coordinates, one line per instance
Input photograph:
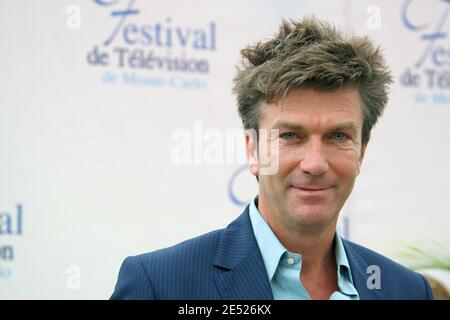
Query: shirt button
(290, 261)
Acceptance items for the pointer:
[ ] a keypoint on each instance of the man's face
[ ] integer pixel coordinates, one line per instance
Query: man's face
(320, 153)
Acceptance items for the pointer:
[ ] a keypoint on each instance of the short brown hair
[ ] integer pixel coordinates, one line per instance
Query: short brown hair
(311, 53)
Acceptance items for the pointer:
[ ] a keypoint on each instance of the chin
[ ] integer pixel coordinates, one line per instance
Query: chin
(312, 216)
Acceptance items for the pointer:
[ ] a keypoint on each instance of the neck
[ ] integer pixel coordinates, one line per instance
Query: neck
(314, 243)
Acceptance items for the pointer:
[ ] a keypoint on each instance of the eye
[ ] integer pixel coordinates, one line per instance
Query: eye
(339, 136)
(288, 136)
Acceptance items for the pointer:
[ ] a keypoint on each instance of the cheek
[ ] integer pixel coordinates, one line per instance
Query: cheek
(288, 161)
(345, 166)
(277, 181)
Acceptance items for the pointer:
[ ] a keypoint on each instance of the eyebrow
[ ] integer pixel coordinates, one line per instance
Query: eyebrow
(351, 126)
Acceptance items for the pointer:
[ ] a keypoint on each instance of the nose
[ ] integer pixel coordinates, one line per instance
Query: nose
(314, 161)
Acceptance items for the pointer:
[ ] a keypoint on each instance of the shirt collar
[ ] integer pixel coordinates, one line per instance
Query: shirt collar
(269, 245)
(272, 250)
(345, 280)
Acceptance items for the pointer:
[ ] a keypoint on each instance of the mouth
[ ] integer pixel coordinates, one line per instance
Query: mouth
(312, 191)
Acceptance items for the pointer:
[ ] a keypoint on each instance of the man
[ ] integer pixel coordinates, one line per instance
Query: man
(308, 99)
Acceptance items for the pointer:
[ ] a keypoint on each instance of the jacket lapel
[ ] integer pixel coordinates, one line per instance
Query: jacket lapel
(358, 267)
(241, 274)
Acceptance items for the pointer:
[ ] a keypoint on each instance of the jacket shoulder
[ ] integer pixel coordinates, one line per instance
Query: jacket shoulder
(182, 271)
(203, 245)
(399, 281)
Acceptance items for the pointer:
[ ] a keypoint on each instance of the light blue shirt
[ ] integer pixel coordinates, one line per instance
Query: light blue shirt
(284, 267)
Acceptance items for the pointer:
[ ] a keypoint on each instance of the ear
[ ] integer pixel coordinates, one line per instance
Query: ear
(251, 149)
(363, 152)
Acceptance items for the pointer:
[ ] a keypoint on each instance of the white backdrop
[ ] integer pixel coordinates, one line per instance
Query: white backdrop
(87, 175)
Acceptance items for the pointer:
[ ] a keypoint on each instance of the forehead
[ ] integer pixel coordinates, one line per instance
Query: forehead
(313, 107)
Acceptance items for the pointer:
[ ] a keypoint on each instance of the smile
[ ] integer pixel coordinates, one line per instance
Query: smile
(312, 191)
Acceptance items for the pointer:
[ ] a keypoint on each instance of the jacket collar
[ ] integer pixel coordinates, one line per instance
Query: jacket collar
(241, 273)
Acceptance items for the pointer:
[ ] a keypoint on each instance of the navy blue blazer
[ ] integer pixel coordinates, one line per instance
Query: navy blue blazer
(227, 264)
